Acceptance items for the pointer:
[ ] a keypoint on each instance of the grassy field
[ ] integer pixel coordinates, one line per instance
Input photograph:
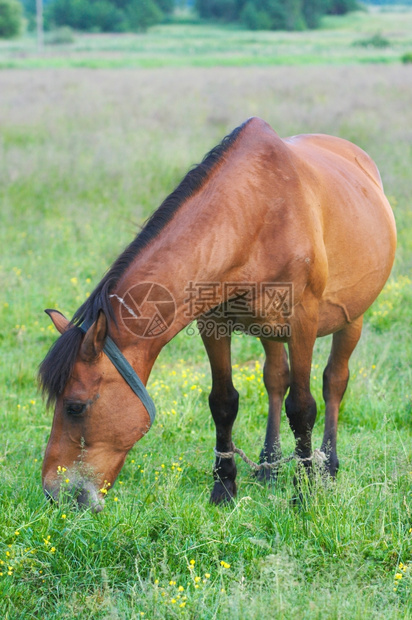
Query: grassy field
(339, 41)
(84, 157)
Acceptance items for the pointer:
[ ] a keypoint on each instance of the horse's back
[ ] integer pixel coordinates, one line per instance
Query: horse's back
(329, 146)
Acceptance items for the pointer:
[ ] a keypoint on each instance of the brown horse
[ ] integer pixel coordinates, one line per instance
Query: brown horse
(287, 239)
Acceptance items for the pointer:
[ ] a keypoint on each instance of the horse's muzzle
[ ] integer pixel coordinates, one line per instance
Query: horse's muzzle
(82, 492)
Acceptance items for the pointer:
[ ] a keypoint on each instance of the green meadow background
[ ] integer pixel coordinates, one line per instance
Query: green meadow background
(92, 137)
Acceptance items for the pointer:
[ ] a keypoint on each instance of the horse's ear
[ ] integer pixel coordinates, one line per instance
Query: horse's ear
(94, 338)
(59, 320)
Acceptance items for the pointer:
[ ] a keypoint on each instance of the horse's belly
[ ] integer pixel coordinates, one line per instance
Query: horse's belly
(340, 306)
(334, 315)
(360, 252)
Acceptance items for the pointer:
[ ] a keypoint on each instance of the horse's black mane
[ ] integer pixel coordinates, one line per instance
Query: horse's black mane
(57, 366)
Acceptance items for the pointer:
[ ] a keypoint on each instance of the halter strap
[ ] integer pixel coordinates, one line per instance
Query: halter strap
(127, 372)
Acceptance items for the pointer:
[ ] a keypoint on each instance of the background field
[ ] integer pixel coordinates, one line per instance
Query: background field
(199, 45)
(84, 156)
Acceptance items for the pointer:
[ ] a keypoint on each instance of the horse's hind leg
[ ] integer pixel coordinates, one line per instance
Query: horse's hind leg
(300, 404)
(223, 402)
(276, 379)
(335, 380)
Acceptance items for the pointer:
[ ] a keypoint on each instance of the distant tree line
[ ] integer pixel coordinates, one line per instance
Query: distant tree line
(10, 18)
(274, 14)
(108, 15)
(102, 15)
(139, 15)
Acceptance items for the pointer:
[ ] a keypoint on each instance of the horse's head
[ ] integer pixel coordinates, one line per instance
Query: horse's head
(97, 417)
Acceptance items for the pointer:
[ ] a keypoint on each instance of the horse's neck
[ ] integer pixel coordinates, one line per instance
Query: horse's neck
(173, 275)
(190, 251)
(176, 275)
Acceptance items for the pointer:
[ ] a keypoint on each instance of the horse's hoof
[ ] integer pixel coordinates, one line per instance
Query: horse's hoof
(223, 492)
(269, 474)
(328, 468)
(299, 500)
(332, 466)
(266, 475)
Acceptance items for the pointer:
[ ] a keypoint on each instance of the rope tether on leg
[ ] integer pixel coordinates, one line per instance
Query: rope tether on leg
(317, 456)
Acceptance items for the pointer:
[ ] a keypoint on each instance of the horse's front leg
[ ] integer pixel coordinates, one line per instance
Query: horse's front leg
(223, 401)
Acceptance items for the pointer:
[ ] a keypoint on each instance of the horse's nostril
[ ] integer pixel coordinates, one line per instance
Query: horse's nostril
(83, 492)
(49, 495)
(87, 497)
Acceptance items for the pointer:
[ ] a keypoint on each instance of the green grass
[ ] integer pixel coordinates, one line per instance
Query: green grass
(84, 157)
(198, 45)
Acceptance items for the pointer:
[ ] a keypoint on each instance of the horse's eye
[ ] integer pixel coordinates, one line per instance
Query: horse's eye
(75, 409)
